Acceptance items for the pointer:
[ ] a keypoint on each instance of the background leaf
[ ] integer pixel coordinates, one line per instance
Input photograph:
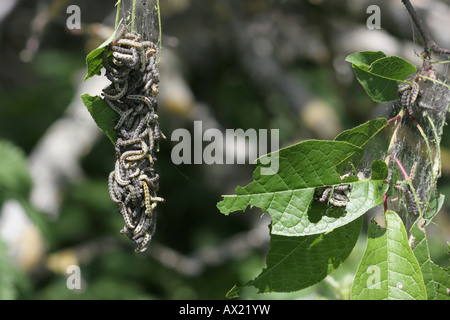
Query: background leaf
(103, 115)
(15, 178)
(7, 277)
(389, 269)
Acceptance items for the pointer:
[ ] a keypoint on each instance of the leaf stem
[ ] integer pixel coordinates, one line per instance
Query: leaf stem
(159, 26)
(397, 117)
(401, 168)
(118, 4)
(133, 13)
(436, 81)
(394, 135)
(385, 203)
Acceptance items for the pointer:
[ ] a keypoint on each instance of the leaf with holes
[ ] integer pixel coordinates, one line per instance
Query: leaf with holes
(360, 135)
(388, 269)
(290, 196)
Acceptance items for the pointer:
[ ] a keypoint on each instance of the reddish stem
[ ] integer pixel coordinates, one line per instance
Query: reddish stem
(397, 117)
(401, 168)
(385, 202)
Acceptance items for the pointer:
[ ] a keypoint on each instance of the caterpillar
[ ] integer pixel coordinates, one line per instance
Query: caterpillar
(133, 184)
(409, 94)
(338, 196)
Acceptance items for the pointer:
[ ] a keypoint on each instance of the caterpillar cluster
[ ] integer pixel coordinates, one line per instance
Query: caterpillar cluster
(338, 196)
(130, 65)
(409, 94)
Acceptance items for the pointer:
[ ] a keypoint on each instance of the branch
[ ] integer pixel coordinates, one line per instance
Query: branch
(429, 44)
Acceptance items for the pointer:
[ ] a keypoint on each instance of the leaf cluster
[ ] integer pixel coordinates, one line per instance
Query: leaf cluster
(310, 239)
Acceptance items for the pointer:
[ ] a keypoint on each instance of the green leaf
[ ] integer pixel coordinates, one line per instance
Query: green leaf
(288, 196)
(15, 179)
(434, 205)
(389, 269)
(378, 89)
(39, 219)
(380, 170)
(94, 59)
(103, 115)
(392, 68)
(364, 59)
(7, 277)
(360, 135)
(379, 75)
(295, 263)
(436, 279)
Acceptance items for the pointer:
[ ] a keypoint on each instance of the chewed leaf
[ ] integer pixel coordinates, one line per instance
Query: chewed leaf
(302, 167)
(290, 196)
(360, 135)
(103, 115)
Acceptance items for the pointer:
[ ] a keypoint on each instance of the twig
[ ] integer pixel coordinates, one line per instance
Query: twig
(429, 44)
(118, 4)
